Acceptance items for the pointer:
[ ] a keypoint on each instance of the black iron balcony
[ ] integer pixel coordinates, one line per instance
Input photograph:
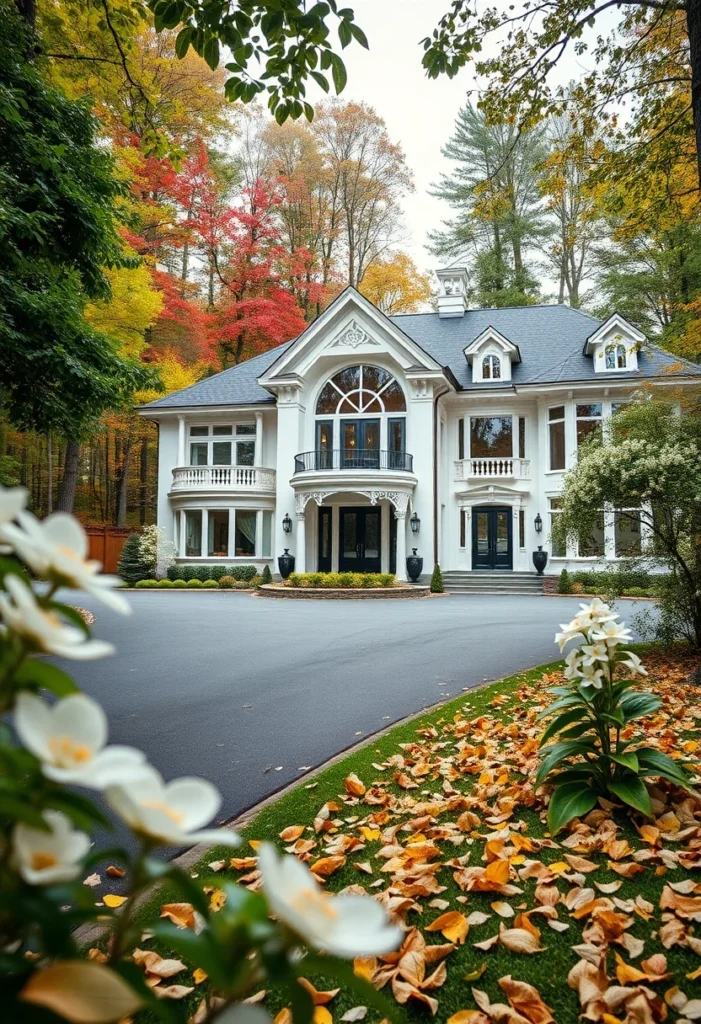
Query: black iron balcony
(353, 458)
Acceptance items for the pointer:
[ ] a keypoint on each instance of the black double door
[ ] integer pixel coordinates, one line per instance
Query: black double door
(360, 548)
(491, 538)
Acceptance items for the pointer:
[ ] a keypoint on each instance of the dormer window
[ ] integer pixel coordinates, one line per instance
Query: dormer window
(491, 368)
(616, 357)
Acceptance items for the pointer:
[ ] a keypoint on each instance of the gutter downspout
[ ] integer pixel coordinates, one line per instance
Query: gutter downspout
(436, 398)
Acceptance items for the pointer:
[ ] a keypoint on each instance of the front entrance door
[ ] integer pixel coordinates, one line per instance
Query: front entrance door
(491, 538)
(360, 547)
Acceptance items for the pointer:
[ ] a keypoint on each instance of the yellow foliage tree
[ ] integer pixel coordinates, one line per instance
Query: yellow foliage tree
(174, 377)
(395, 285)
(133, 307)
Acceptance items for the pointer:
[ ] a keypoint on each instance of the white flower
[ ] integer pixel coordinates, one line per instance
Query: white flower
(573, 664)
(347, 926)
(598, 611)
(12, 501)
(43, 628)
(57, 548)
(44, 858)
(69, 739)
(170, 812)
(592, 677)
(612, 633)
(593, 653)
(633, 662)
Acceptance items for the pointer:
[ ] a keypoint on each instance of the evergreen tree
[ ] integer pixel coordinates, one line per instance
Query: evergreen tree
(132, 565)
(437, 580)
(266, 575)
(494, 192)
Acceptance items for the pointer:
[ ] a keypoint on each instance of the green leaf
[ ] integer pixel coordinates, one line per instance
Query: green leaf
(570, 701)
(72, 614)
(654, 762)
(359, 35)
(338, 73)
(34, 672)
(571, 800)
(17, 809)
(182, 43)
(320, 80)
(631, 790)
(344, 34)
(558, 752)
(211, 52)
(562, 721)
(638, 705)
(629, 761)
(80, 809)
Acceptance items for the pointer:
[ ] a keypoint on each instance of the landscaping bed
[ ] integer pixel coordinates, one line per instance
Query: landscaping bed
(280, 590)
(439, 820)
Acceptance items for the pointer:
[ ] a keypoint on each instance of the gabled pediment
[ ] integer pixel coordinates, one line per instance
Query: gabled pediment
(490, 337)
(350, 324)
(615, 325)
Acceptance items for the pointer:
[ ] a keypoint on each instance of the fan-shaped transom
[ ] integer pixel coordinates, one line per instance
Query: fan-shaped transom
(359, 390)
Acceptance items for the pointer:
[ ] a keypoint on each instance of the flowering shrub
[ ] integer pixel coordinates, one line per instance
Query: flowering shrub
(593, 757)
(46, 846)
(156, 550)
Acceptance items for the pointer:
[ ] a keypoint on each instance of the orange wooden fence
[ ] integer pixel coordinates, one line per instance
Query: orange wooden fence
(105, 544)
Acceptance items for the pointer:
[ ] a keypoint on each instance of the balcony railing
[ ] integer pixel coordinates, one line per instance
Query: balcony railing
(493, 468)
(353, 458)
(223, 478)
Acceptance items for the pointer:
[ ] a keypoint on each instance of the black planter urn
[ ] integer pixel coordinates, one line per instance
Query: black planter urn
(286, 564)
(414, 565)
(540, 559)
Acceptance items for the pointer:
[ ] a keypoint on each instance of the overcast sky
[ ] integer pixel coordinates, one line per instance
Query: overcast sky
(420, 114)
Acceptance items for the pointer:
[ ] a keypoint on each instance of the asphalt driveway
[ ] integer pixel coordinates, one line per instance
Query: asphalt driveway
(250, 692)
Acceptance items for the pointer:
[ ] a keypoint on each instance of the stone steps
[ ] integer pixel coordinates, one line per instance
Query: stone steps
(506, 583)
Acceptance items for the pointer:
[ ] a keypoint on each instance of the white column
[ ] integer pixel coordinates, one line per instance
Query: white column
(205, 543)
(182, 535)
(401, 544)
(259, 534)
(231, 537)
(300, 554)
(181, 440)
(258, 456)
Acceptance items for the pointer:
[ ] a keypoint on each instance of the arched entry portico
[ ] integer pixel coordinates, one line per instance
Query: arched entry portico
(352, 529)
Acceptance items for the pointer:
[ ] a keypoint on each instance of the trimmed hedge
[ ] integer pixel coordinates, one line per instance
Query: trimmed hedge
(627, 582)
(207, 573)
(336, 580)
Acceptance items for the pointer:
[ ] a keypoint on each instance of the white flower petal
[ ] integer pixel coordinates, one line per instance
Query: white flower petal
(196, 800)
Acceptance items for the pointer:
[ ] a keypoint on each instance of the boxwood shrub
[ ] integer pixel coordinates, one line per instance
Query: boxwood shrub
(206, 573)
(179, 584)
(331, 580)
(194, 584)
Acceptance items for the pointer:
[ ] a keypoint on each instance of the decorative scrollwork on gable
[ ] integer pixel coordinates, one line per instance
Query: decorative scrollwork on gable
(353, 336)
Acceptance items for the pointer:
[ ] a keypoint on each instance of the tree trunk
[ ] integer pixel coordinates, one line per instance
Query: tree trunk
(69, 481)
(49, 474)
(122, 485)
(693, 22)
(143, 477)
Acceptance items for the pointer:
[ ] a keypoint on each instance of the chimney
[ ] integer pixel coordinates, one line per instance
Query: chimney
(452, 291)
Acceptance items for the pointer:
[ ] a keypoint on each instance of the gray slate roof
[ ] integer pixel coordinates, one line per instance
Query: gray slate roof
(550, 339)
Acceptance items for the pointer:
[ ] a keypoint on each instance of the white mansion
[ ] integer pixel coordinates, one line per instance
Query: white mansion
(369, 435)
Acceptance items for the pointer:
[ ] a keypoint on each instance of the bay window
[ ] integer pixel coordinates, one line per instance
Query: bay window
(627, 533)
(245, 532)
(193, 533)
(218, 532)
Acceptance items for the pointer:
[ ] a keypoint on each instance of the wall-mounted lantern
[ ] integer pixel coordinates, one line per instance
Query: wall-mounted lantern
(415, 523)
(538, 523)
(287, 524)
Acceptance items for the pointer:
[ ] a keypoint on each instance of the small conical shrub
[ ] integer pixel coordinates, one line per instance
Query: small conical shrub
(437, 580)
(564, 584)
(132, 566)
(266, 576)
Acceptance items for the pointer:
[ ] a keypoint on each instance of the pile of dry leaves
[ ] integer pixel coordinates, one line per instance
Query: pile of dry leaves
(449, 835)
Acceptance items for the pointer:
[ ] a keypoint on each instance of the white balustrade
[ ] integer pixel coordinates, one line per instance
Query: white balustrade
(225, 478)
(493, 468)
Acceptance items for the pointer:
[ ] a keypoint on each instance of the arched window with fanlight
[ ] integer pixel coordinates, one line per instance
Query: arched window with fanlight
(491, 368)
(616, 357)
(361, 420)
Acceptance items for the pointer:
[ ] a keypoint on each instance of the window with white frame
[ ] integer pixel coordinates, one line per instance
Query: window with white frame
(588, 420)
(223, 445)
(627, 532)
(556, 436)
(557, 544)
(491, 368)
(594, 545)
(228, 533)
(616, 357)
